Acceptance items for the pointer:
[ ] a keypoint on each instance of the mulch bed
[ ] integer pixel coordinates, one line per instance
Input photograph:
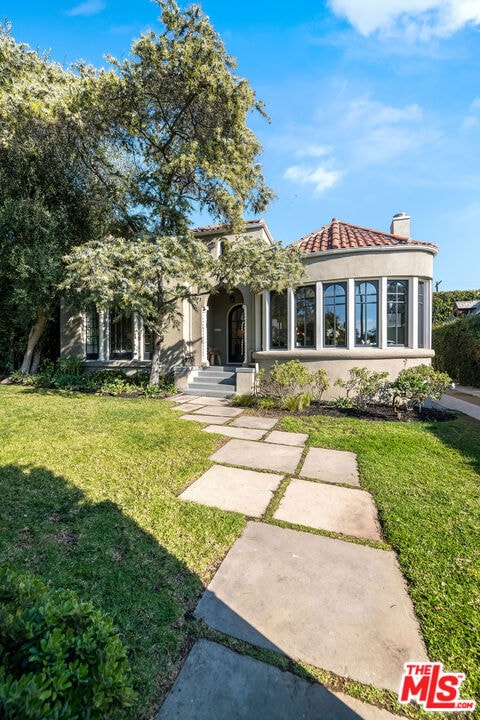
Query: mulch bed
(377, 413)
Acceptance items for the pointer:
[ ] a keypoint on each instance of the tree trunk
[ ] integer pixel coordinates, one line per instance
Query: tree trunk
(155, 368)
(34, 336)
(37, 356)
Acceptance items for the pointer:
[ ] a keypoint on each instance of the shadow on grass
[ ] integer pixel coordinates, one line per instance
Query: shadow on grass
(462, 435)
(50, 528)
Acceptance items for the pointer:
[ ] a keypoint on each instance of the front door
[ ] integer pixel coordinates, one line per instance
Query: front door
(236, 335)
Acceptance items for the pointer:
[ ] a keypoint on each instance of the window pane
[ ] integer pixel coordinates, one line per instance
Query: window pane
(421, 314)
(397, 312)
(366, 313)
(335, 315)
(305, 316)
(121, 336)
(91, 333)
(278, 319)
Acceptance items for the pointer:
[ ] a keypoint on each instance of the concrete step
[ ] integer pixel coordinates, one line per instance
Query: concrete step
(213, 391)
(213, 381)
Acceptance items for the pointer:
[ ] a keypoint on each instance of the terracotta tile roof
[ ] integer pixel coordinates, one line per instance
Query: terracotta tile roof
(343, 236)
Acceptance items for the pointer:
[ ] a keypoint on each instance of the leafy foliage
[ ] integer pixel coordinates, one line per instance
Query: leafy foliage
(363, 386)
(457, 349)
(414, 385)
(443, 302)
(59, 658)
(291, 384)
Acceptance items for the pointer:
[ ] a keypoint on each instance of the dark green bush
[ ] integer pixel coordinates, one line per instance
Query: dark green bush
(457, 349)
(60, 659)
(414, 385)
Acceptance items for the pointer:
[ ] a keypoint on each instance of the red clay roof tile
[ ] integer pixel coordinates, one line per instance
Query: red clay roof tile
(340, 235)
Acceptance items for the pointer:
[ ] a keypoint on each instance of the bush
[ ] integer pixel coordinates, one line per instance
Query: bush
(59, 657)
(457, 349)
(363, 387)
(291, 384)
(414, 385)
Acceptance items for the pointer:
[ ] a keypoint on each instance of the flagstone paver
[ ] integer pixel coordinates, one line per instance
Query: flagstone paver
(329, 507)
(334, 466)
(216, 683)
(236, 432)
(337, 605)
(205, 400)
(219, 410)
(253, 421)
(206, 419)
(243, 491)
(287, 438)
(185, 407)
(257, 455)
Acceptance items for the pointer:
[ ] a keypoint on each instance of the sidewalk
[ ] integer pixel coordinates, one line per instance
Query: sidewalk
(337, 603)
(463, 399)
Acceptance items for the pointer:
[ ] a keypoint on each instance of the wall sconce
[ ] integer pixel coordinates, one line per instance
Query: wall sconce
(232, 298)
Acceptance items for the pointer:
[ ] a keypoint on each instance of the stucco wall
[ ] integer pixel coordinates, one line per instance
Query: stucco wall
(370, 262)
(337, 363)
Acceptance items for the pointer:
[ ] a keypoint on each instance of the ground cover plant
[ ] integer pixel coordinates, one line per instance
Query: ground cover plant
(425, 479)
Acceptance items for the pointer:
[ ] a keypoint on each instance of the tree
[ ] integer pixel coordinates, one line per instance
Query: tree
(444, 300)
(49, 198)
(179, 114)
(152, 275)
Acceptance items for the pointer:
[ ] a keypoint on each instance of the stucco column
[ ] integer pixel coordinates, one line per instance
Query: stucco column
(266, 320)
(204, 335)
(382, 314)
(101, 334)
(290, 319)
(136, 349)
(318, 315)
(413, 313)
(351, 314)
(245, 335)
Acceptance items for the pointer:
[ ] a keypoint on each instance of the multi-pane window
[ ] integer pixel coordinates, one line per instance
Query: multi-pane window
(278, 319)
(397, 312)
(305, 319)
(121, 335)
(366, 312)
(421, 313)
(91, 333)
(335, 314)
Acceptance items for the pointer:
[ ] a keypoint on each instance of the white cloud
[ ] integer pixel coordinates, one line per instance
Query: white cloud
(314, 151)
(320, 177)
(416, 18)
(89, 7)
(363, 111)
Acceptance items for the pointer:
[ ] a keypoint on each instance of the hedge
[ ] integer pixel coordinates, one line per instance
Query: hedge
(457, 349)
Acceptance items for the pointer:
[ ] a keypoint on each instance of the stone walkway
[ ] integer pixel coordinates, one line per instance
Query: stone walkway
(331, 602)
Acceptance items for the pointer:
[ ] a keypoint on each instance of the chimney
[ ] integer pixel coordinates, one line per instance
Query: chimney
(400, 225)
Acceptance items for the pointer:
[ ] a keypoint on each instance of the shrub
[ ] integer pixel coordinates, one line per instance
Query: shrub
(414, 385)
(363, 386)
(457, 349)
(59, 657)
(291, 384)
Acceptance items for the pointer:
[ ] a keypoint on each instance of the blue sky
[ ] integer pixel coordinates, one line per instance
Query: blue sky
(374, 105)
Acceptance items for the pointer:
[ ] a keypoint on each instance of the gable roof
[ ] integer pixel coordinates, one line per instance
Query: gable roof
(339, 235)
(221, 228)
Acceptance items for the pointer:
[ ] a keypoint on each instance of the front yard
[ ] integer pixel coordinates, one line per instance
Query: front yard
(88, 490)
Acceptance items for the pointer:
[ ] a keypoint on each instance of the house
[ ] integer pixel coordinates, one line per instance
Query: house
(366, 301)
(466, 307)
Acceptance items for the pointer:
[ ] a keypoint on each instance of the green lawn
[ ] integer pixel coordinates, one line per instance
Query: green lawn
(425, 478)
(88, 490)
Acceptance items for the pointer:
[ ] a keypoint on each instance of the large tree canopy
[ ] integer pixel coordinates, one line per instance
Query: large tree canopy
(124, 158)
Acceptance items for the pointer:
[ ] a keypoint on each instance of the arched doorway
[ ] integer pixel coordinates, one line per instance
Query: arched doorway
(236, 335)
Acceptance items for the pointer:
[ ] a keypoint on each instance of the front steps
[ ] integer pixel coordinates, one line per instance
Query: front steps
(214, 381)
